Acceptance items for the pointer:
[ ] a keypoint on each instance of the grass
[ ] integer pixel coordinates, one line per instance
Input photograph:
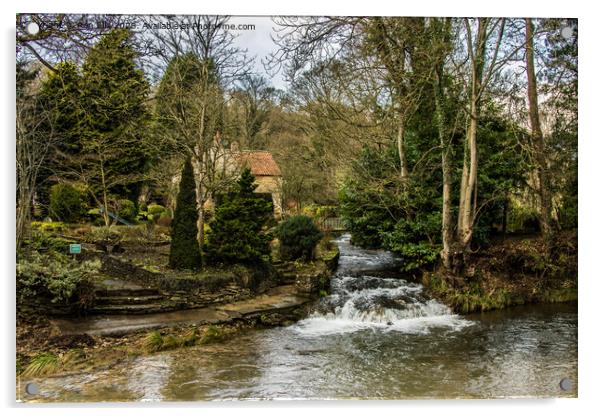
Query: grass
(42, 364)
(154, 341)
(562, 294)
(474, 298)
(212, 333)
(73, 356)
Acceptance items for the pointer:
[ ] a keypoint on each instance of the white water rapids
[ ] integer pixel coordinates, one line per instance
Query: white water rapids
(361, 299)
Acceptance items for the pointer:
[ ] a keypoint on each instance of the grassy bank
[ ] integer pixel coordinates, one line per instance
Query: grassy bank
(511, 272)
(84, 353)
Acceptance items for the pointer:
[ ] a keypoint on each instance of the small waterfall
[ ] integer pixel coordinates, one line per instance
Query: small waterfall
(362, 299)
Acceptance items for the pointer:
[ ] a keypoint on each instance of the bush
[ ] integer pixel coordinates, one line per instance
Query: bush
(49, 226)
(155, 210)
(237, 230)
(126, 209)
(184, 250)
(66, 203)
(415, 240)
(522, 219)
(54, 275)
(42, 241)
(108, 235)
(298, 237)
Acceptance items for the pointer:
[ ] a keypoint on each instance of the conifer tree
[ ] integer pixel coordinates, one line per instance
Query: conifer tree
(184, 251)
(237, 231)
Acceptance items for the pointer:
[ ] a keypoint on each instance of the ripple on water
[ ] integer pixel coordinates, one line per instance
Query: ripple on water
(149, 375)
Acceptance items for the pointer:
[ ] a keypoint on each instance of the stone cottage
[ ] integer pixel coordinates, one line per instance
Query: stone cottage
(266, 171)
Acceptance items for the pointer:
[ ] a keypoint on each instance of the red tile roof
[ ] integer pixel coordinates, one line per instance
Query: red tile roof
(260, 162)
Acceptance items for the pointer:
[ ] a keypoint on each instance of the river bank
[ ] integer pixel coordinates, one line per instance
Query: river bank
(186, 310)
(375, 336)
(511, 272)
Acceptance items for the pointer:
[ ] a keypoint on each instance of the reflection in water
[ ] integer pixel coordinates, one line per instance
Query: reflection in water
(374, 337)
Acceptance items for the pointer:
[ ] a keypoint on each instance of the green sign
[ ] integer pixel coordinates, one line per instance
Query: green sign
(75, 248)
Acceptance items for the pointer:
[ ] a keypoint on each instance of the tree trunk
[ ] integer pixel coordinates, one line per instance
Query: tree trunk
(200, 201)
(469, 179)
(545, 198)
(403, 168)
(105, 197)
(446, 212)
(505, 218)
(468, 190)
(23, 211)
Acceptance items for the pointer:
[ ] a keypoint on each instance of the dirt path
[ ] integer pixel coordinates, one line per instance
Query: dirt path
(278, 298)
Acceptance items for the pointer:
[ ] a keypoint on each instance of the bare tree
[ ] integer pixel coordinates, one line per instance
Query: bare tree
(206, 37)
(441, 49)
(199, 59)
(252, 102)
(34, 137)
(62, 37)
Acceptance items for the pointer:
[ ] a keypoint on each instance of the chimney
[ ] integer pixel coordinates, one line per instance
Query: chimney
(234, 147)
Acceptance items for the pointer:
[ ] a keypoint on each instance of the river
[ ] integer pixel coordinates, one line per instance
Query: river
(375, 337)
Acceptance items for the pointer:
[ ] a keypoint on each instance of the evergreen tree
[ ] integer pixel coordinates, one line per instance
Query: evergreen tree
(60, 96)
(184, 251)
(237, 230)
(115, 117)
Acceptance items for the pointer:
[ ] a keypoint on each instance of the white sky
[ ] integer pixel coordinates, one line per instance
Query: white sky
(259, 44)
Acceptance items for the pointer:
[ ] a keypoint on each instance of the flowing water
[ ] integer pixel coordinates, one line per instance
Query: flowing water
(375, 337)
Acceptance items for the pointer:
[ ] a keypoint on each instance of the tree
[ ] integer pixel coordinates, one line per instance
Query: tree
(441, 49)
(251, 106)
(190, 116)
(559, 70)
(539, 148)
(34, 137)
(63, 37)
(114, 121)
(237, 230)
(66, 203)
(184, 251)
(61, 94)
(397, 43)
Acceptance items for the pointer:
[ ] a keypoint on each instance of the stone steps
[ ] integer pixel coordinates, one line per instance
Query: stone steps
(128, 300)
(126, 292)
(134, 309)
(114, 297)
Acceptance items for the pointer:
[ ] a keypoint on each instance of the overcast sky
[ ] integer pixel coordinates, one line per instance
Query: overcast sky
(259, 44)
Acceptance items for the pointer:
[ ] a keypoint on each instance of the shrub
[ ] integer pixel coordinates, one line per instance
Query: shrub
(54, 275)
(42, 241)
(310, 210)
(155, 210)
(522, 219)
(49, 226)
(237, 230)
(184, 250)
(126, 209)
(298, 237)
(103, 236)
(66, 203)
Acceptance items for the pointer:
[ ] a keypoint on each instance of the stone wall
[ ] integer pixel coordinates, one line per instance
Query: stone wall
(271, 185)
